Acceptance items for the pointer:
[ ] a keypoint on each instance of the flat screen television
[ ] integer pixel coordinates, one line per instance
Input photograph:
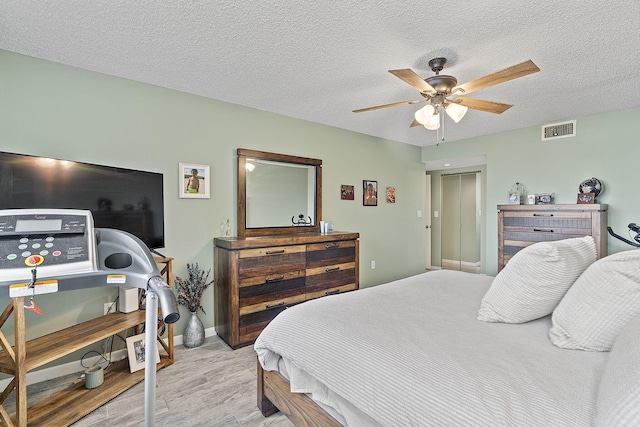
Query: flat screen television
(124, 199)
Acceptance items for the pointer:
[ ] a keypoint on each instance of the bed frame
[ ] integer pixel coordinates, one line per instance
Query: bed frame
(274, 394)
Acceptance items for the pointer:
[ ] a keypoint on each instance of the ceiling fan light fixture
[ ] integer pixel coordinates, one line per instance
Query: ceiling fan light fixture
(424, 114)
(433, 123)
(456, 111)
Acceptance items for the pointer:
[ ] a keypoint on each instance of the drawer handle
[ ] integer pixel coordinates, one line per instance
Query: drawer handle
(332, 245)
(540, 214)
(281, 251)
(328, 270)
(273, 279)
(336, 291)
(280, 304)
(543, 230)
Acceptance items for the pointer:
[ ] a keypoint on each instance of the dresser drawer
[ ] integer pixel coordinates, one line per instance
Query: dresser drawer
(271, 284)
(332, 275)
(325, 254)
(271, 301)
(320, 291)
(269, 262)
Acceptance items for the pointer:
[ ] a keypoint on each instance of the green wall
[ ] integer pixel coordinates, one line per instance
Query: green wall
(53, 110)
(605, 146)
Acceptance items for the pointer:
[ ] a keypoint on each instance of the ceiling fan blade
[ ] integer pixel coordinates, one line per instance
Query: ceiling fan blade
(414, 123)
(514, 72)
(395, 104)
(411, 78)
(480, 105)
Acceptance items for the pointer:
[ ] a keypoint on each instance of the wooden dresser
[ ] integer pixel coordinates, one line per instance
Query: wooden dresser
(522, 225)
(258, 277)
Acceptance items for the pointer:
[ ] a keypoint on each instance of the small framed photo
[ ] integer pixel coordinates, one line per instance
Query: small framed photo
(391, 194)
(586, 198)
(544, 199)
(137, 353)
(369, 193)
(531, 199)
(514, 198)
(346, 192)
(195, 181)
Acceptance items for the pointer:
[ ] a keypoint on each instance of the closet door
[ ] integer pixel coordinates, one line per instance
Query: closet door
(460, 225)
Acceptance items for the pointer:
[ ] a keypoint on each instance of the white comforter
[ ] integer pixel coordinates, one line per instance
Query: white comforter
(412, 353)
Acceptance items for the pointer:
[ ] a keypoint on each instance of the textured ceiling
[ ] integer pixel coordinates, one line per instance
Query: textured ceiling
(317, 61)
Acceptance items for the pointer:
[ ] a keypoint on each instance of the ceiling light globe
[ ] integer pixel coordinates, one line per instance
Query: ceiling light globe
(433, 123)
(456, 111)
(422, 115)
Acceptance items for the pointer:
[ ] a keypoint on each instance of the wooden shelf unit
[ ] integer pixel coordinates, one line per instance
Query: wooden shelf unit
(73, 403)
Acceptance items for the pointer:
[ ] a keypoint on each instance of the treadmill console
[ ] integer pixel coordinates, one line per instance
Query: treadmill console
(51, 240)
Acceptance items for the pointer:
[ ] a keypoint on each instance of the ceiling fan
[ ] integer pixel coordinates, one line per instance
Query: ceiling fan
(443, 93)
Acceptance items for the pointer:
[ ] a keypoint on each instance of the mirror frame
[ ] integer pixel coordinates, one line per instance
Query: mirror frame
(243, 231)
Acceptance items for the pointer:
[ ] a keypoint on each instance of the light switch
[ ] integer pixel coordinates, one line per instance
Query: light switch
(419, 213)
(435, 214)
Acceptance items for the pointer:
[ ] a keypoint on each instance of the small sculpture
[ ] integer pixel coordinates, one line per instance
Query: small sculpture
(301, 220)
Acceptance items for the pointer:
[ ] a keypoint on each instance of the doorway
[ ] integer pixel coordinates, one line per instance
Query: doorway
(460, 224)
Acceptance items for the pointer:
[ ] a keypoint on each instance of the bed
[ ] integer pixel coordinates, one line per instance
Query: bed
(413, 352)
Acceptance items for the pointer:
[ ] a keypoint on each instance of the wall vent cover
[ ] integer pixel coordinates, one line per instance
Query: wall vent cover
(559, 130)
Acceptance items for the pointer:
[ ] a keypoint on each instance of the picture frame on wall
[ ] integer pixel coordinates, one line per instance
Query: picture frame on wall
(194, 180)
(369, 193)
(391, 194)
(137, 353)
(346, 192)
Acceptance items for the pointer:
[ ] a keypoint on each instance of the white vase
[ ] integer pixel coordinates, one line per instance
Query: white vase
(193, 335)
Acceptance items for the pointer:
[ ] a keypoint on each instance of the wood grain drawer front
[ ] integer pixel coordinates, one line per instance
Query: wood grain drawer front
(268, 262)
(272, 301)
(319, 291)
(331, 276)
(325, 254)
(255, 286)
(253, 323)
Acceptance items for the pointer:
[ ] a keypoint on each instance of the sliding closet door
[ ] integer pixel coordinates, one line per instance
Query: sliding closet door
(460, 222)
(450, 222)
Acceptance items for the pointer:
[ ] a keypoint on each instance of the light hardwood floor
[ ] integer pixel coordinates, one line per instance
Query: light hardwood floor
(210, 386)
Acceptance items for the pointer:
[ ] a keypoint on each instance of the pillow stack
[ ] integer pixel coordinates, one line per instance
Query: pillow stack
(599, 305)
(535, 280)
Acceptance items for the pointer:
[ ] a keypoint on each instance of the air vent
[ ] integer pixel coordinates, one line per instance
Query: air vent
(559, 130)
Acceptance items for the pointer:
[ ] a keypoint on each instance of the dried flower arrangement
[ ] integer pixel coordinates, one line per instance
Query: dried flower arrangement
(190, 291)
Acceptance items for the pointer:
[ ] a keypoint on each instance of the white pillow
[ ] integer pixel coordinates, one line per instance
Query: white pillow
(601, 302)
(618, 398)
(534, 281)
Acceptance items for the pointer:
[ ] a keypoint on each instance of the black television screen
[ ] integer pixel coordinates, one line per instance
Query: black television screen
(124, 199)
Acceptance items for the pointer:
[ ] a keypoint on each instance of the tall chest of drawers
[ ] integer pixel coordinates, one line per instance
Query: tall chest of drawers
(258, 277)
(522, 225)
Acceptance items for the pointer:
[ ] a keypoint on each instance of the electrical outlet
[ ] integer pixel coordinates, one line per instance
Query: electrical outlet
(109, 307)
(373, 265)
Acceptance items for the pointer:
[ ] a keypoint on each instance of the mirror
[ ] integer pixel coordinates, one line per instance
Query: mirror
(278, 194)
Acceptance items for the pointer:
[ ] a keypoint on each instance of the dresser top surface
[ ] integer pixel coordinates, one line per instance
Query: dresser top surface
(283, 239)
(595, 207)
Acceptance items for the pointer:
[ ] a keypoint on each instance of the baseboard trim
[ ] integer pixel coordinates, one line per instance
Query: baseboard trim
(469, 267)
(57, 371)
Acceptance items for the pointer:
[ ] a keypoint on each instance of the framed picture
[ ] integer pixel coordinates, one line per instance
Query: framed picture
(194, 181)
(137, 353)
(391, 194)
(346, 192)
(586, 198)
(514, 198)
(369, 193)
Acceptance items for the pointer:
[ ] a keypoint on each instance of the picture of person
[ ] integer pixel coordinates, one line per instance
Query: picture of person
(193, 182)
(370, 196)
(138, 347)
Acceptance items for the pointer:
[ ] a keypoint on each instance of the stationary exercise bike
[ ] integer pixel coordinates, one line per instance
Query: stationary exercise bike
(632, 227)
